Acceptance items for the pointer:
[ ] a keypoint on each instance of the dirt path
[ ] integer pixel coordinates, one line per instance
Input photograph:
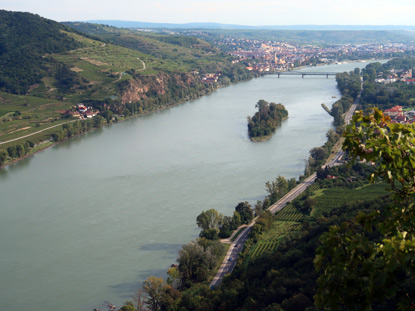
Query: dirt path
(144, 65)
(28, 135)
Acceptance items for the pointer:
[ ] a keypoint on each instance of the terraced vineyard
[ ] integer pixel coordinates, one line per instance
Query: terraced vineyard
(263, 247)
(289, 212)
(270, 239)
(329, 198)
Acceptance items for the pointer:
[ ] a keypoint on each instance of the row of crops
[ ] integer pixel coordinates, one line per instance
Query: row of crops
(263, 247)
(285, 221)
(289, 212)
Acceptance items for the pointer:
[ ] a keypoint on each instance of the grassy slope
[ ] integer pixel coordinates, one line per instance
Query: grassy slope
(164, 51)
(98, 66)
(327, 199)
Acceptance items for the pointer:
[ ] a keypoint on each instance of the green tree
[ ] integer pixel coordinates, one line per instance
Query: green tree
(245, 211)
(154, 288)
(372, 258)
(128, 306)
(20, 150)
(318, 153)
(170, 299)
(12, 152)
(98, 121)
(209, 222)
(195, 263)
(107, 114)
(3, 157)
(226, 227)
(278, 188)
(236, 220)
(173, 278)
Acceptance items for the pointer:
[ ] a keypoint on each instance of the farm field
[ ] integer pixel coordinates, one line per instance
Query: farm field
(329, 198)
(289, 213)
(21, 115)
(269, 240)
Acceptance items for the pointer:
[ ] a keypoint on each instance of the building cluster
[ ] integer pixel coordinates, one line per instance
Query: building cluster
(272, 56)
(80, 111)
(264, 55)
(398, 115)
(210, 78)
(394, 76)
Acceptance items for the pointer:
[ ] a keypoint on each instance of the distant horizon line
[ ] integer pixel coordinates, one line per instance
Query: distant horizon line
(218, 25)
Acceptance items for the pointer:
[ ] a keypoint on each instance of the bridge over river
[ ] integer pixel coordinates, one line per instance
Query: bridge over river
(303, 74)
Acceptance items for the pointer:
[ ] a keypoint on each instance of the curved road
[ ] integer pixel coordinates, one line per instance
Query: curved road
(229, 262)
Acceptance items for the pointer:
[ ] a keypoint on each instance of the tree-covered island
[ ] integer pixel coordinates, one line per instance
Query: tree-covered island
(268, 117)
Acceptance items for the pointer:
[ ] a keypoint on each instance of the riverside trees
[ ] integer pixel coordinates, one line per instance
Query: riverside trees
(214, 225)
(210, 222)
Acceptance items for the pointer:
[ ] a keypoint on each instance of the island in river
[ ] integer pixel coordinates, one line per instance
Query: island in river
(268, 117)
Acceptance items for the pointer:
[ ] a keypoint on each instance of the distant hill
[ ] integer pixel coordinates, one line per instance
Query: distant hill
(25, 39)
(137, 24)
(326, 37)
(301, 34)
(47, 67)
(169, 52)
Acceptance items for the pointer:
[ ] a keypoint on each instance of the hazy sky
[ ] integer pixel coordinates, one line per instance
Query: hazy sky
(255, 12)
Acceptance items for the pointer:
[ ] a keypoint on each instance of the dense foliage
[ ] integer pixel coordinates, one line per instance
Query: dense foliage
(386, 96)
(15, 152)
(214, 225)
(376, 250)
(268, 117)
(349, 83)
(25, 40)
(318, 155)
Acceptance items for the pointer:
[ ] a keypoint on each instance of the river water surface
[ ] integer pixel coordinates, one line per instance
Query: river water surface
(88, 220)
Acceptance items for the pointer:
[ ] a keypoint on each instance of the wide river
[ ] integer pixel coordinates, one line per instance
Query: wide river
(88, 220)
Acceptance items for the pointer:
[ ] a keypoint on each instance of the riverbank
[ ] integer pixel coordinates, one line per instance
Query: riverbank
(45, 144)
(260, 138)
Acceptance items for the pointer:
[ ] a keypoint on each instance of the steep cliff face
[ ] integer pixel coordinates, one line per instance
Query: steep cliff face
(144, 87)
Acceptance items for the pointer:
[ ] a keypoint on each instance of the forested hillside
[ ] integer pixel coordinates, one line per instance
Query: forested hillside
(25, 42)
(47, 68)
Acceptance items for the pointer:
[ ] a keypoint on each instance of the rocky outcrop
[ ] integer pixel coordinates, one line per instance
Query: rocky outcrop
(143, 87)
